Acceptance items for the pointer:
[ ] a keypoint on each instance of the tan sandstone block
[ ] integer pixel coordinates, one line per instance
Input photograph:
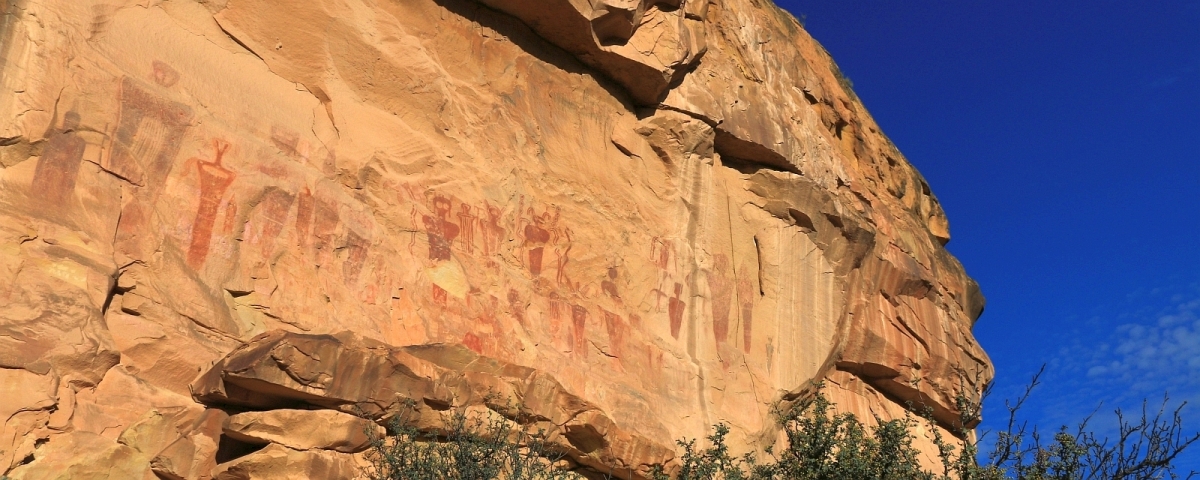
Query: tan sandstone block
(85, 456)
(277, 462)
(304, 429)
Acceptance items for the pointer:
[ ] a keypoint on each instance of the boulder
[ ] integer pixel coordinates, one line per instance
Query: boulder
(304, 429)
(277, 462)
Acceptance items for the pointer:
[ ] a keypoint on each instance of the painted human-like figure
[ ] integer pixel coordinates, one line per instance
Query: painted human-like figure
(466, 221)
(564, 256)
(722, 295)
(440, 231)
(609, 285)
(746, 295)
(675, 308)
(493, 233)
(214, 180)
(660, 255)
(537, 235)
(579, 315)
(54, 176)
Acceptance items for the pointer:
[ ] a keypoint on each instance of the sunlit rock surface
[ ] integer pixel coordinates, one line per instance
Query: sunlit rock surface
(638, 218)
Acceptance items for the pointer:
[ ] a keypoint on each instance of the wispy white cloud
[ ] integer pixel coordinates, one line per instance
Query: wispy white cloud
(1161, 353)
(1137, 351)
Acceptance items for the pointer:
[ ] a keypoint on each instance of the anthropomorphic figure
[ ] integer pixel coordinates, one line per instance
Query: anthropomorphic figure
(466, 222)
(675, 308)
(564, 252)
(441, 233)
(660, 256)
(54, 176)
(721, 289)
(746, 295)
(493, 233)
(537, 235)
(579, 315)
(609, 285)
(214, 180)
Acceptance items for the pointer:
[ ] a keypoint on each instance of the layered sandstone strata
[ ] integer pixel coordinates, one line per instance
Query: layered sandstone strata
(645, 217)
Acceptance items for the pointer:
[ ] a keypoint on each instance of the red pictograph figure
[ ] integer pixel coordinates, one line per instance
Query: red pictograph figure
(304, 216)
(214, 180)
(231, 209)
(324, 229)
(273, 211)
(770, 353)
(616, 332)
(54, 176)
(537, 235)
(493, 233)
(483, 338)
(722, 295)
(660, 256)
(746, 295)
(609, 285)
(286, 140)
(148, 135)
(441, 233)
(473, 342)
(675, 309)
(356, 247)
(516, 305)
(564, 253)
(558, 311)
(163, 74)
(466, 221)
(579, 316)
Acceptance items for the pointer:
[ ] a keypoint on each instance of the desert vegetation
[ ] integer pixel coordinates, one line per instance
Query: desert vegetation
(821, 444)
(470, 447)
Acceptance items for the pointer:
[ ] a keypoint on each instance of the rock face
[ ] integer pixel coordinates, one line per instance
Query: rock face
(219, 218)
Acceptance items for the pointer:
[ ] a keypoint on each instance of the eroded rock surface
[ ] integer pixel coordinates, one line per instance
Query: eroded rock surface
(304, 429)
(671, 212)
(285, 374)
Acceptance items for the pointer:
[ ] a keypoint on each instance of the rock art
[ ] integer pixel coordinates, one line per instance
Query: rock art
(629, 219)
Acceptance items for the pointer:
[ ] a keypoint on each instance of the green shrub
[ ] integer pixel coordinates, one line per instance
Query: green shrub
(820, 445)
(470, 448)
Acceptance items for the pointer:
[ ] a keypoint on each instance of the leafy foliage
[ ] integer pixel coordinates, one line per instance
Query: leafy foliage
(820, 445)
(823, 445)
(475, 448)
(1144, 448)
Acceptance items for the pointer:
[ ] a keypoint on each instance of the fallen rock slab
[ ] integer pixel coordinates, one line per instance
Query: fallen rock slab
(419, 383)
(277, 462)
(304, 429)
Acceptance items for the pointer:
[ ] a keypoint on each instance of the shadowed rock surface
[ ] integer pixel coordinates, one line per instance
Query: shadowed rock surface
(632, 218)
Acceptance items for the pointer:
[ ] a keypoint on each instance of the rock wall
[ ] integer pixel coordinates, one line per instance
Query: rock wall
(674, 212)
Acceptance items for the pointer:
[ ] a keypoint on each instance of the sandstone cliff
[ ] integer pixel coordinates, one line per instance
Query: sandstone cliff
(222, 220)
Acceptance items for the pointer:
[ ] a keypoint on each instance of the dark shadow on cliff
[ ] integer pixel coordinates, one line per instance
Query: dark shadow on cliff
(522, 36)
(9, 14)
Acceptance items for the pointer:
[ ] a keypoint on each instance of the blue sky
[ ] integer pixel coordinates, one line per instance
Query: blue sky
(1063, 140)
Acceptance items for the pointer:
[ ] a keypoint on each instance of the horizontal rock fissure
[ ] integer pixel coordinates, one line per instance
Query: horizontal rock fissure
(749, 156)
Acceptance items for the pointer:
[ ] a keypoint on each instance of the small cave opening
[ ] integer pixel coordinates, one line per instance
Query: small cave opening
(614, 27)
(229, 448)
(802, 220)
